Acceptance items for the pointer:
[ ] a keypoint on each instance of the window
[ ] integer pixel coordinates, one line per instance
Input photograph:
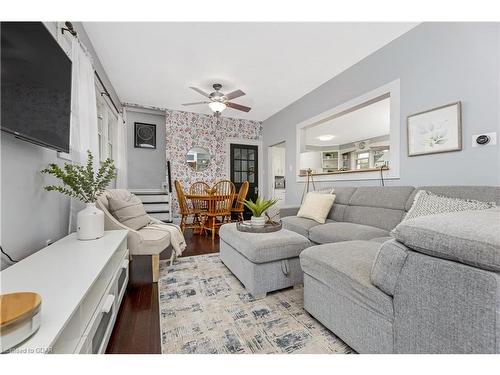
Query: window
(100, 118)
(107, 121)
(112, 122)
(363, 160)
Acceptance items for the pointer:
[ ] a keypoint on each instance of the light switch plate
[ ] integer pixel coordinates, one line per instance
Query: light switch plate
(492, 142)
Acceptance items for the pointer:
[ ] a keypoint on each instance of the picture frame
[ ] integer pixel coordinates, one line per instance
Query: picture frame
(435, 131)
(144, 135)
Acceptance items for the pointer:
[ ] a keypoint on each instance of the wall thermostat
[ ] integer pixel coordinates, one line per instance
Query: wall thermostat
(483, 139)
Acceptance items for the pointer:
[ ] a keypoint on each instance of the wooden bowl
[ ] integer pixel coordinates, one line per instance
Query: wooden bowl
(19, 317)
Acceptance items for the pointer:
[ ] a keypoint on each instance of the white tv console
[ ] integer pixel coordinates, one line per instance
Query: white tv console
(81, 284)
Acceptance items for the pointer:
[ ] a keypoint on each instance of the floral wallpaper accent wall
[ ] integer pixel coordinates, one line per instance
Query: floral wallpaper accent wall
(185, 130)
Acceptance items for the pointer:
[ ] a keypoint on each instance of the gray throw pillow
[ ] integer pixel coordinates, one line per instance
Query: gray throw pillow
(427, 203)
(129, 211)
(470, 237)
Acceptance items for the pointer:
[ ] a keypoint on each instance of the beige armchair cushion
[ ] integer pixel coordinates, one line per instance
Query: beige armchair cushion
(153, 241)
(129, 211)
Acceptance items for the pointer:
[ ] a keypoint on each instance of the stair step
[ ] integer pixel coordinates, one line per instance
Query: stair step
(161, 216)
(152, 199)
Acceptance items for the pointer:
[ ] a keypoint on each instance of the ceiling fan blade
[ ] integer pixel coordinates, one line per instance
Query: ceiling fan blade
(234, 94)
(239, 107)
(195, 103)
(199, 91)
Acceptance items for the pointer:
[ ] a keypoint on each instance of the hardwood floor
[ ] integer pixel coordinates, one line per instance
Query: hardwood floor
(137, 327)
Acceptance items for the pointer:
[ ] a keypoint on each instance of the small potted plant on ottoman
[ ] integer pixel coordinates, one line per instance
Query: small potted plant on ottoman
(258, 208)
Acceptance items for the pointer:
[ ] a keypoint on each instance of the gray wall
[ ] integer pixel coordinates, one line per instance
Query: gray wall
(437, 63)
(29, 215)
(146, 168)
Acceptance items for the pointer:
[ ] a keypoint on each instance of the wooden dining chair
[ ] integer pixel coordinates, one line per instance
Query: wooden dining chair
(200, 206)
(239, 208)
(219, 206)
(186, 211)
(199, 188)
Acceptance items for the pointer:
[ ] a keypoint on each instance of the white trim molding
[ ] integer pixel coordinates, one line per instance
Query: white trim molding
(260, 157)
(393, 90)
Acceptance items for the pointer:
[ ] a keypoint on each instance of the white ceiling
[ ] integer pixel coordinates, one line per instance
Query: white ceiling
(274, 63)
(368, 122)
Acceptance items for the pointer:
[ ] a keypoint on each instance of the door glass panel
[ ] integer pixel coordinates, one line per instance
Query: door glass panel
(251, 165)
(244, 165)
(237, 165)
(237, 177)
(244, 153)
(251, 155)
(244, 176)
(237, 154)
(251, 178)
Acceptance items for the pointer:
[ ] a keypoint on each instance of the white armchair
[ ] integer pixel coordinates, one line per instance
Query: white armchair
(145, 241)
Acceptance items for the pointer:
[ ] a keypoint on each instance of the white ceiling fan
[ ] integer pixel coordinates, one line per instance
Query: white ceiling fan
(219, 101)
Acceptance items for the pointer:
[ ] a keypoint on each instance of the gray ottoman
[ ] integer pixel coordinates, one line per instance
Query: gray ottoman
(263, 262)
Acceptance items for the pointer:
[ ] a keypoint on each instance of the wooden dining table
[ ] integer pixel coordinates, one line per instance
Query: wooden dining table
(209, 197)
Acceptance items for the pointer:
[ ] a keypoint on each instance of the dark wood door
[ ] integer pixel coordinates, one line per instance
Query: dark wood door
(244, 167)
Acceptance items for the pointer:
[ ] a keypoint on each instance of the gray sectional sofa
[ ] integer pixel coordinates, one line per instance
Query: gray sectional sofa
(382, 296)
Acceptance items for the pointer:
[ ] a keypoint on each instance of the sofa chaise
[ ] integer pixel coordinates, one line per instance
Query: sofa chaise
(430, 295)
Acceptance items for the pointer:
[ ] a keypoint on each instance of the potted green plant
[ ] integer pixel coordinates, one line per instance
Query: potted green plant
(258, 208)
(83, 183)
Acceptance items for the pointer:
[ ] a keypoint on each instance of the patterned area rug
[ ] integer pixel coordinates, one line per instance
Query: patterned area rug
(205, 309)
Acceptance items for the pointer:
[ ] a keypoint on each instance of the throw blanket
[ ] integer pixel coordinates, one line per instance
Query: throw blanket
(176, 237)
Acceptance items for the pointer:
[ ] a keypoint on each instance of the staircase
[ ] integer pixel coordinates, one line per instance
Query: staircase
(157, 202)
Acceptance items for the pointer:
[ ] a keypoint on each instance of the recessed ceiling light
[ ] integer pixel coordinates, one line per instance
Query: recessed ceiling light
(326, 137)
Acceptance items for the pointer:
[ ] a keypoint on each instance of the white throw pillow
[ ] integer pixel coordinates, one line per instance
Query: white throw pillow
(129, 211)
(316, 206)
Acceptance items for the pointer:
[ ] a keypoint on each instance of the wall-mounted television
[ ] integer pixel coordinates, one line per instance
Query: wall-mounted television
(35, 85)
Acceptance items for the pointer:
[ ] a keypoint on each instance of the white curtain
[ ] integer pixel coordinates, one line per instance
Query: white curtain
(121, 157)
(83, 133)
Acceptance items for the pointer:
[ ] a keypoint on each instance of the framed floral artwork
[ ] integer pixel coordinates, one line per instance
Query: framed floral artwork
(436, 130)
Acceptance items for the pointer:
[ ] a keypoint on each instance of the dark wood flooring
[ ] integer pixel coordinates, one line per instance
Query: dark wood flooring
(137, 327)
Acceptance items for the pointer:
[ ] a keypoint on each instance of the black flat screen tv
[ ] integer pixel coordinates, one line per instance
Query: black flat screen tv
(35, 85)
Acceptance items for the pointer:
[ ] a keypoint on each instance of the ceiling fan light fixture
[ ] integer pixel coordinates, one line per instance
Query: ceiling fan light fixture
(217, 106)
(326, 137)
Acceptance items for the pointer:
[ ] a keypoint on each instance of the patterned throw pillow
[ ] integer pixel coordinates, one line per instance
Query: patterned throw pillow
(427, 203)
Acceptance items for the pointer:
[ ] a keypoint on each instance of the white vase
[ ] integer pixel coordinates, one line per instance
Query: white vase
(90, 223)
(258, 221)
